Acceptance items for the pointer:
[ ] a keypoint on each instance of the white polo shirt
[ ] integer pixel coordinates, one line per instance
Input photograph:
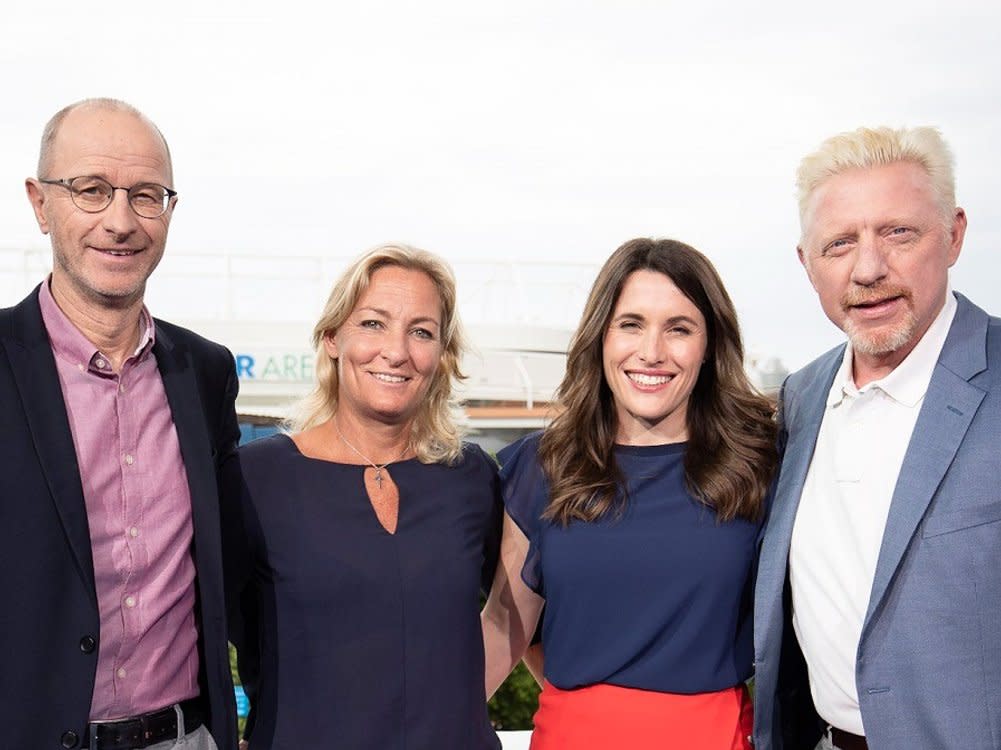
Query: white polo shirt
(842, 515)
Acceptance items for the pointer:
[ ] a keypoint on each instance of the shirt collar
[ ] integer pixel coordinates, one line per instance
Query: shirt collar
(70, 344)
(908, 382)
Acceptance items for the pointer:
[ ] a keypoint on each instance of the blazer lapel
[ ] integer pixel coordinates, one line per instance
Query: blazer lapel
(802, 414)
(948, 409)
(34, 369)
(181, 386)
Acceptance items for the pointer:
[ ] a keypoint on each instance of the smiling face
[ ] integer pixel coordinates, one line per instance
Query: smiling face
(388, 350)
(102, 259)
(652, 352)
(878, 250)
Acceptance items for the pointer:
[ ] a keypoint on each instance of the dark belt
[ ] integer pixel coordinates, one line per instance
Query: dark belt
(147, 729)
(847, 741)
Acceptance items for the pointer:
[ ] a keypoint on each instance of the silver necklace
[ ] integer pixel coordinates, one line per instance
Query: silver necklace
(366, 459)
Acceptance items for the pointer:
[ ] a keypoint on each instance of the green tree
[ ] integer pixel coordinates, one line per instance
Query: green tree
(515, 702)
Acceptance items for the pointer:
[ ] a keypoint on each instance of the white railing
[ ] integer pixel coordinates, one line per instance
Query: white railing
(293, 288)
(520, 313)
(520, 316)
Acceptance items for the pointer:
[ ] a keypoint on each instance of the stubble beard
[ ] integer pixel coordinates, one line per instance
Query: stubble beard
(884, 339)
(76, 277)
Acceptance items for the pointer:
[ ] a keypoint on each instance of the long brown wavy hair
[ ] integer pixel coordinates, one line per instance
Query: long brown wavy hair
(731, 453)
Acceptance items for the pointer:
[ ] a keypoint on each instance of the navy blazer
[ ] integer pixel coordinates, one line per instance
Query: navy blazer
(928, 669)
(49, 622)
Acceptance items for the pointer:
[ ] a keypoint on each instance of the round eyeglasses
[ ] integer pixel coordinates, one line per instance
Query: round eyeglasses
(94, 194)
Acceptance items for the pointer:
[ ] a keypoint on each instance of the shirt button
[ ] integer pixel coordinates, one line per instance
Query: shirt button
(100, 364)
(87, 644)
(121, 672)
(130, 601)
(128, 459)
(121, 387)
(69, 739)
(133, 532)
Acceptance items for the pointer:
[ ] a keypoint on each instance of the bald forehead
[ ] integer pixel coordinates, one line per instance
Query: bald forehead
(115, 127)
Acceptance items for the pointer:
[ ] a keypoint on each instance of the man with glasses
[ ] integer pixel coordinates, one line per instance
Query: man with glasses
(114, 426)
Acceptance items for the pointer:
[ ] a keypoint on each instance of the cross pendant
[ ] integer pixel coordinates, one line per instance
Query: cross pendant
(378, 477)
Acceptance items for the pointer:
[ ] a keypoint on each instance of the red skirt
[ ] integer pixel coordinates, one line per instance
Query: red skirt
(607, 717)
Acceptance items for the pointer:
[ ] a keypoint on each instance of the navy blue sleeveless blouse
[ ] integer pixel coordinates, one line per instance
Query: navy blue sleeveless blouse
(657, 598)
(350, 637)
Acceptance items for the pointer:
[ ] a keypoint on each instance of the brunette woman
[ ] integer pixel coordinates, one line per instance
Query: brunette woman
(635, 517)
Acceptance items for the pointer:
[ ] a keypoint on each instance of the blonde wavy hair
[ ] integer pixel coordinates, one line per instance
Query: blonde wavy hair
(436, 437)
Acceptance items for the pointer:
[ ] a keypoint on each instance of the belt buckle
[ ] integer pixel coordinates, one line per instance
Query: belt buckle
(145, 732)
(94, 741)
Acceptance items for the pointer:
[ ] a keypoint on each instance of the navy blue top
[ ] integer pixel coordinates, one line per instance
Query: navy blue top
(349, 636)
(658, 598)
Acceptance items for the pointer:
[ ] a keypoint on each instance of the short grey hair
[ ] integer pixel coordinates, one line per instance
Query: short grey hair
(51, 131)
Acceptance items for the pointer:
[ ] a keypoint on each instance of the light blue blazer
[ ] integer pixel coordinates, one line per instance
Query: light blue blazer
(928, 669)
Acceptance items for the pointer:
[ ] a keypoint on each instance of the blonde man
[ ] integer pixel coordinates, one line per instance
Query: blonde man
(877, 601)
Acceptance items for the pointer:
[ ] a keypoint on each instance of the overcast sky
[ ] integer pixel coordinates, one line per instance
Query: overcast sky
(517, 130)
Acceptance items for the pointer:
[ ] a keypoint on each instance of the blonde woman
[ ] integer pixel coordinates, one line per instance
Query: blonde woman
(365, 534)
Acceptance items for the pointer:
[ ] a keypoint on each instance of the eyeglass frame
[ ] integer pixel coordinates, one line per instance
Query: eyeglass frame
(67, 183)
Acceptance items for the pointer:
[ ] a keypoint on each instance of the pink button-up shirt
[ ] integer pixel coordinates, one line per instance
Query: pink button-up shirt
(139, 513)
